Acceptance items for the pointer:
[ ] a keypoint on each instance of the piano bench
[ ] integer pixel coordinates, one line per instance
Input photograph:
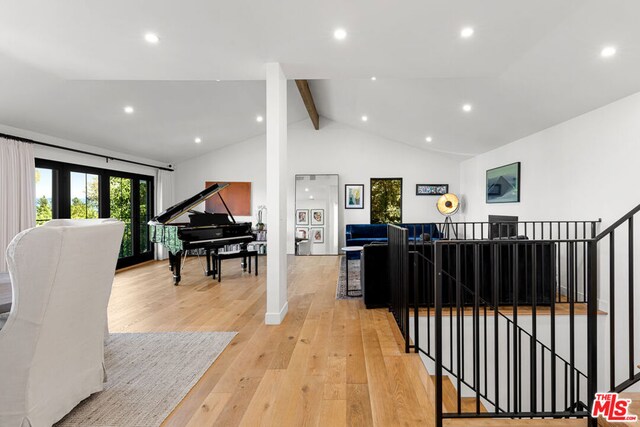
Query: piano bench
(245, 255)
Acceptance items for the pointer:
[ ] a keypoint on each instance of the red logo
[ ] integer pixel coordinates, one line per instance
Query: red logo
(612, 408)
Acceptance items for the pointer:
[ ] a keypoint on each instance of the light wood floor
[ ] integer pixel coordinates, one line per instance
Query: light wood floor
(330, 363)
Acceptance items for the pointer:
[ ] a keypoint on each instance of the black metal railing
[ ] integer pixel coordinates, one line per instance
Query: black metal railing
(571, 258)
(509, 311)
(491, 340)
(483, 285)
(621, 237)
(399, 280)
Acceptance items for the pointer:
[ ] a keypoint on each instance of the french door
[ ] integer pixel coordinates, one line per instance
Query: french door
(66, 190)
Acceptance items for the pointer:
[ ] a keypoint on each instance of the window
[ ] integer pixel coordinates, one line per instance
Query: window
(144, 216)
(85, 195)
(74, 191)
(44, 195)
(386, 200)
(120, 207)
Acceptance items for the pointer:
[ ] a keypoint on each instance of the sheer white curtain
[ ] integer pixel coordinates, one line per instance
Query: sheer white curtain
(17, 192)
(164, 199)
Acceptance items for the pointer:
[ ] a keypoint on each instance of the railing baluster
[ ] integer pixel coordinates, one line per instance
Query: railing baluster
(496, 347)
(534, 359)
(514, 292)
(438, 333)
(632, 362)
(572, 324)
(476, 325)
(612, 310)
(458, 290)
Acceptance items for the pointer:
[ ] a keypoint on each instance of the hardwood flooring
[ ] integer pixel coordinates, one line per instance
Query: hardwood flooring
(330, 363)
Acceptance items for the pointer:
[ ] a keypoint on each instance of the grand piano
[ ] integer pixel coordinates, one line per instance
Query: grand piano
(208, 231)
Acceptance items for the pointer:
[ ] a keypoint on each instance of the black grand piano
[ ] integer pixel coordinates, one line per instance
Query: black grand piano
(208, 231)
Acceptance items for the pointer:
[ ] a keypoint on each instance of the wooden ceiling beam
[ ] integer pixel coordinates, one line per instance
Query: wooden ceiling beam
(307, 98)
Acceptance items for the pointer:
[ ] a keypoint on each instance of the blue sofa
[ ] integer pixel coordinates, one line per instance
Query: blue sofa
(363, 234)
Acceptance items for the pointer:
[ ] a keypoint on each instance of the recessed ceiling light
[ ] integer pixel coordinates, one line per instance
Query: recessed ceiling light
(373, 79)
(608, 52)
(198, 140)
(429, 139)
(259, 119)
(217, 80)
(152, 38)
(128, 109)
(466, 32)
(306, 189)
(365, 118)
(311, 197)
(467, 107)
(340, 34)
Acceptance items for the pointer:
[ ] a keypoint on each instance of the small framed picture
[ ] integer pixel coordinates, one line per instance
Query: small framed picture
(317, 235)
(431, 189)
(302, 233)
(317, 216)
(354, 196)
(302, 217)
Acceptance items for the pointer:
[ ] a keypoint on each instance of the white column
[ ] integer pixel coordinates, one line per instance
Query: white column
(277, 304)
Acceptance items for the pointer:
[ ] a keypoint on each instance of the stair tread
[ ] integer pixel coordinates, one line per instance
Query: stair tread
(450, 395)
(493, 422)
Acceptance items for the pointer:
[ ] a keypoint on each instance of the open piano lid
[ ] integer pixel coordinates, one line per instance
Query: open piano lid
(175, 211)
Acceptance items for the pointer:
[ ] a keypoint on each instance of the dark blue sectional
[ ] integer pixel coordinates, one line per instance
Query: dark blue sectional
(363, 234)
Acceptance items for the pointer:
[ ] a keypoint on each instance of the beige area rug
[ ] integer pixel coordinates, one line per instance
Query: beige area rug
(148, 375)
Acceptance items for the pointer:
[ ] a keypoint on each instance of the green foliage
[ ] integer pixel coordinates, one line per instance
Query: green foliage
(120, 206)
(386, 201)
(43, 210)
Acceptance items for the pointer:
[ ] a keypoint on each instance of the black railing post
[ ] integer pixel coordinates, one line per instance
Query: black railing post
(438, 330)
(592, 328)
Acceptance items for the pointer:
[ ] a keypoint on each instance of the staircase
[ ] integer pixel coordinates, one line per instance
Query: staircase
(541, 356)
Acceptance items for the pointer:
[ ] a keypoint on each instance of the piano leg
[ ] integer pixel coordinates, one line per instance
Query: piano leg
(175, 261)
(207, 255)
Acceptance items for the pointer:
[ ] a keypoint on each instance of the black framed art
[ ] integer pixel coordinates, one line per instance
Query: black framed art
(354, 196)
(431, 189)
(503, 184)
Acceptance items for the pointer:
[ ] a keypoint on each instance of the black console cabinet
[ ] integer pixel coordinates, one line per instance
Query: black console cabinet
(375, 281)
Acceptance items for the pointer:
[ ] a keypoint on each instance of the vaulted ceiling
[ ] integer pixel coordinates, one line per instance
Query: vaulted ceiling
(67, 68)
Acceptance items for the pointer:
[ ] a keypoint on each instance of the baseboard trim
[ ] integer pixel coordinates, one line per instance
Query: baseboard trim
(276, 318)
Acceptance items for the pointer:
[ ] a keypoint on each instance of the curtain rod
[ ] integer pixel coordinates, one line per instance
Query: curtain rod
(31, 141)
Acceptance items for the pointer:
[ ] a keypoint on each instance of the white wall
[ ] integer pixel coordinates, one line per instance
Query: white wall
(354, 155)
(583, 169)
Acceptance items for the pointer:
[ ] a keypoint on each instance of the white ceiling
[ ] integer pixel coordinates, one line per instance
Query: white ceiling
(68, 67)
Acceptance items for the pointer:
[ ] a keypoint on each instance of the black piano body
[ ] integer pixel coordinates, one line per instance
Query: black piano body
(205, 231)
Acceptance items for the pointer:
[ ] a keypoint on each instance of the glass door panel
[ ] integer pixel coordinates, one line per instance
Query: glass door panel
(44, 195)
(120, 204)
(85, 195)
(144, 216)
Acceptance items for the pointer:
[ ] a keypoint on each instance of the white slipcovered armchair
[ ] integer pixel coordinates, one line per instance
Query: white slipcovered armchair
(52, 344)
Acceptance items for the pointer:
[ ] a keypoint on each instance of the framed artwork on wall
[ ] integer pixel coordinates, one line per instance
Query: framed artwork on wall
(354, 196)
(503, 184)
(317, 235)
(431, 189)
(302, 233)
(317, 216)
(302, 216)
(237, 197)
